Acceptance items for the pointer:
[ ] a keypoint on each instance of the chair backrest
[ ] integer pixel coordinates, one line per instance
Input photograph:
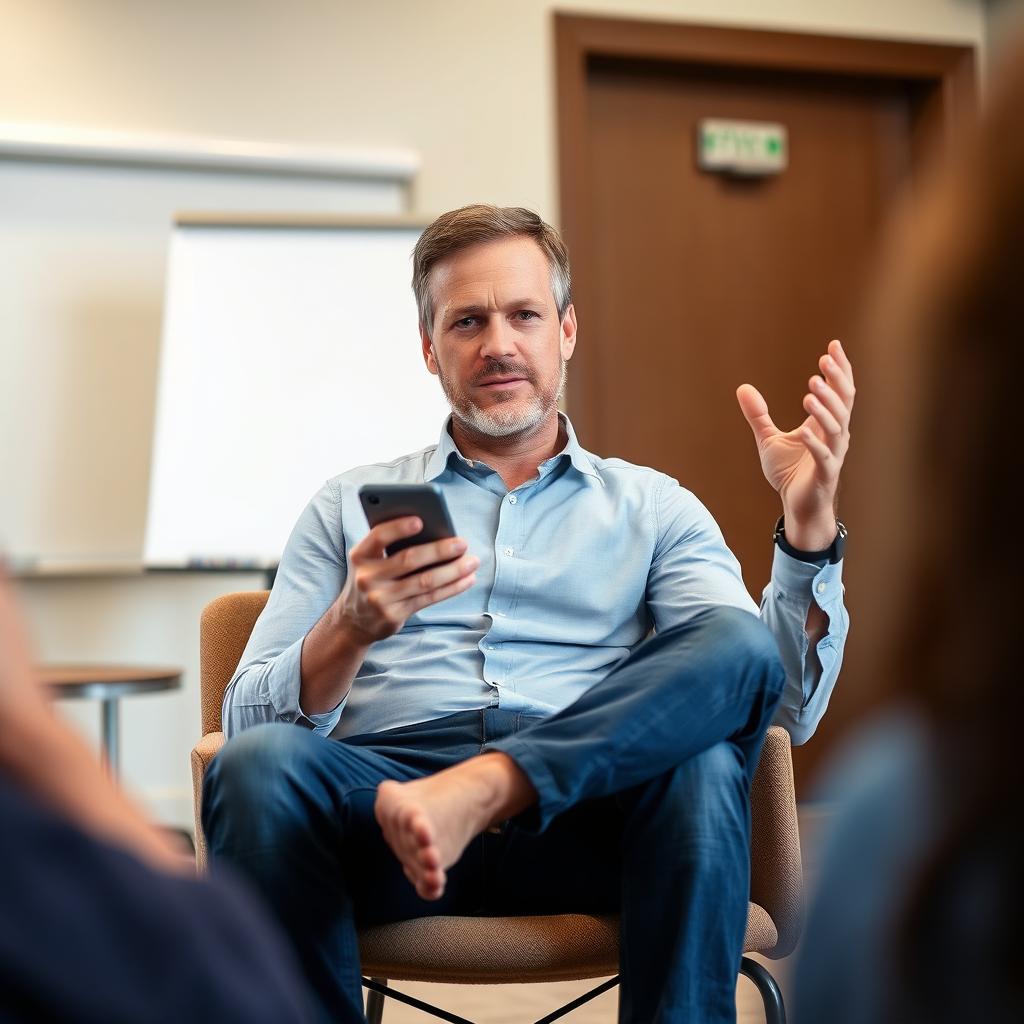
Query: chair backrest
(776, 867)
(776, 873)
(224, 629)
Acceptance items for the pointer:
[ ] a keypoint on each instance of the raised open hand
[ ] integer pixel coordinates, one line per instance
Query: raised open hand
(803, 464)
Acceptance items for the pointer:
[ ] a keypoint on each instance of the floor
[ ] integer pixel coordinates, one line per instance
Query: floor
(522, 1004)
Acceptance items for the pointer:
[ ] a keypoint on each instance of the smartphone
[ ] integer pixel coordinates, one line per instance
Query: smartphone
(382, 502)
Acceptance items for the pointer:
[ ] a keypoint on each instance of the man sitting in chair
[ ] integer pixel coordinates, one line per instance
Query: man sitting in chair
(494, 734)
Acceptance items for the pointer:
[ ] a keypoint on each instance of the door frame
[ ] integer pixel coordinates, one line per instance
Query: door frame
(942, 80)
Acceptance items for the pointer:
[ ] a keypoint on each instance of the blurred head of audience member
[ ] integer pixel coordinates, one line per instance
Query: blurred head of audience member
(922, 890)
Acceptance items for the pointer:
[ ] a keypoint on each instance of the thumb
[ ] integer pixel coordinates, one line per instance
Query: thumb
(755, 411)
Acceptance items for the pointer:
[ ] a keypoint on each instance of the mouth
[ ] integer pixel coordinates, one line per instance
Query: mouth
(501, 383)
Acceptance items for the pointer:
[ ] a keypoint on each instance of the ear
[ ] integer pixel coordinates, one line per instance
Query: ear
(428, 351)
(568, 333)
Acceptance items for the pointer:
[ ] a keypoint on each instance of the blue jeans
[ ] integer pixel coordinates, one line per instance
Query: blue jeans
(643, 808)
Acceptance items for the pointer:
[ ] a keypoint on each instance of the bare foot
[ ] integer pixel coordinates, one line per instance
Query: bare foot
(429, 822)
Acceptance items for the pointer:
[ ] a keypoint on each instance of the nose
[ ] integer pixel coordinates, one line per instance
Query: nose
(497, 340)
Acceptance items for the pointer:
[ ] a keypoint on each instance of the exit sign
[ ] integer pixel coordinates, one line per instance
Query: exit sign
(741, 147)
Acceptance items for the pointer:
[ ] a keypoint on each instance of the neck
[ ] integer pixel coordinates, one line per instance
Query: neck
(515, 458)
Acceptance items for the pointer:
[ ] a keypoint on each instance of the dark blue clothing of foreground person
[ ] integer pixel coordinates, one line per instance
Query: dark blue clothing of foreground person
(88, 933)
(855, 966)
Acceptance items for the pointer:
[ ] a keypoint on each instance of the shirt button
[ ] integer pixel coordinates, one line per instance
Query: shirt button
(509, 552)
(512, 499)
(821, 588)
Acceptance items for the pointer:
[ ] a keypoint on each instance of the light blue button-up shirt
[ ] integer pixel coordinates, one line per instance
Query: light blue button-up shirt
(576, 566)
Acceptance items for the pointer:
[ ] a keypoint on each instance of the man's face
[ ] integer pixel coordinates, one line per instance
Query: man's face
(499, 346)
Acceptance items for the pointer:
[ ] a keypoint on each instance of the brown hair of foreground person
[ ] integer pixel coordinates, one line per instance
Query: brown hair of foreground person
(954, 310)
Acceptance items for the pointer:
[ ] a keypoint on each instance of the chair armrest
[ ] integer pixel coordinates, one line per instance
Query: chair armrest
(202, 754)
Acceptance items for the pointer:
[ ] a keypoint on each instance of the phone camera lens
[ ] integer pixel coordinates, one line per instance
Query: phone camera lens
(374, 500)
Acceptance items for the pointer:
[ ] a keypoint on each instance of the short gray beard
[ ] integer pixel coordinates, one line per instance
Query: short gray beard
(496, 422)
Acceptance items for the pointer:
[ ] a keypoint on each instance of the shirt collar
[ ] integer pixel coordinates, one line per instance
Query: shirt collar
(582, 460)
(438, 461)
(446, 450)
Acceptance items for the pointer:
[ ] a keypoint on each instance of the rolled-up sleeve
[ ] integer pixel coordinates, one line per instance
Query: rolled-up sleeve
(810, 674)
(694, 569)
(266, 685)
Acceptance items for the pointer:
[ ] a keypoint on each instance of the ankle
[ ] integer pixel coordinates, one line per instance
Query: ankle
(508, 788)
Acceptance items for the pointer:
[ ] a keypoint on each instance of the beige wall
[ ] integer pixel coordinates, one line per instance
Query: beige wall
(468, 84)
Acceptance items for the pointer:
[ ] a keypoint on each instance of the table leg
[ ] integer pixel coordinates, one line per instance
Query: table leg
(111, 735)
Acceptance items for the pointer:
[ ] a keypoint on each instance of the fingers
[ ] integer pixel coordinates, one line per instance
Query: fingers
(441, 593)
(374, 543)
(368, 556)
(827, 396)
(825, 408)
(432, 578)
(830, 400)
(838, 353)
(419, 555)
(838, 372)
(820, 451)
(755, 411)
(392, 601)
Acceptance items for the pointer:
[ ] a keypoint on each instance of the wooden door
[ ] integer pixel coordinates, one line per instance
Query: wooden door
(690, 283)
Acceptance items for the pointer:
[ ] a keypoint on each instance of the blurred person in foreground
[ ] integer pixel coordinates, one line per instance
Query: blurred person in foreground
(99, 917)
(922, 894)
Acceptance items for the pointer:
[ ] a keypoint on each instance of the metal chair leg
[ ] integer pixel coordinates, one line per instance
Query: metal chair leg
(768, 987)
(375, 1003)
(381, 988)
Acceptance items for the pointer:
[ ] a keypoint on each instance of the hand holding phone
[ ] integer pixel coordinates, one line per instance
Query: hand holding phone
(385, 502)
(410, 559)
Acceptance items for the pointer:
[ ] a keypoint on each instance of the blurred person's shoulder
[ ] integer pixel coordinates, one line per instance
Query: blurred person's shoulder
(883, 800)
(882, 792)
(90, 932)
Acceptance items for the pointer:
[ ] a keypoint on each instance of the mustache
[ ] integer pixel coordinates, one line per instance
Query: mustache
(503, 368)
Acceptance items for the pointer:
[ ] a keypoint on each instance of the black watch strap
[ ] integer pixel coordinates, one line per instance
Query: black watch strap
(832, 554)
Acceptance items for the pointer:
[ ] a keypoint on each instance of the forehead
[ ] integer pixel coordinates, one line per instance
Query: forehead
(492, 270)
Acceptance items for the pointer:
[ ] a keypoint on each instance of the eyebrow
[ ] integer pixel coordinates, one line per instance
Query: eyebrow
(476, 310)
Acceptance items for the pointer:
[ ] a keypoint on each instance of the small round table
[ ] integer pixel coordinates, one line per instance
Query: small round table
(108, 684)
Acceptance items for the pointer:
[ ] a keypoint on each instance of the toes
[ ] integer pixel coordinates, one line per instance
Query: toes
(431, 885)
(420, 829)
(416, 833)
(428, 858)
(410, 834)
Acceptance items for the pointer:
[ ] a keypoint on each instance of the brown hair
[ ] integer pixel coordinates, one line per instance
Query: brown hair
(956, 309)
(473, 225)
(964, 286)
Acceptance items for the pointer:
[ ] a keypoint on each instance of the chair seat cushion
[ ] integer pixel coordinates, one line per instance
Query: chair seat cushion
(491, 950)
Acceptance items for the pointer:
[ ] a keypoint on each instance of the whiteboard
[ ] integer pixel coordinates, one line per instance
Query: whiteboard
(84, 235)
(290, 353)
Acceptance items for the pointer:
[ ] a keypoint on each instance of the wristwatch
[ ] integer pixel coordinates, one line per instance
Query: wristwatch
(832, 554)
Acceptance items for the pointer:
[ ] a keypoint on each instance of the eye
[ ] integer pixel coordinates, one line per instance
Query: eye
(466, 321)
(527, 314)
